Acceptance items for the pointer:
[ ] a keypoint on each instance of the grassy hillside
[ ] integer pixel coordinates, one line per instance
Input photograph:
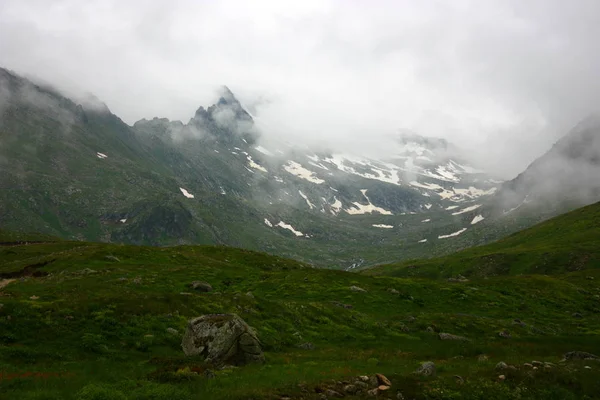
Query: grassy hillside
(91, 321)
(570, 242)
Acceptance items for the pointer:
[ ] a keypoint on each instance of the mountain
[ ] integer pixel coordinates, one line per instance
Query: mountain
(73, 169)
(570, 242)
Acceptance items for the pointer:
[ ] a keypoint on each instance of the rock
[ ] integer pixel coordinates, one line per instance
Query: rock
(528, 365)
(591, 278)
(504, 334)
(209, 374)
(222, 338)
(373, 392)
(393, 291)
(501, 377)
(448, 336)
(332, 393)
(430, 329)
(361, 384)
(501, 365)
(351, 389)
(519, 323)
(373, 381)
(577, 315)
(459, 278)
(201, 286)
(537, 363)
(172, 331)
(579, 355)
(383, 380)
(137, 281)
(357, 289)
(122, 279)
(587, 367)
(459, 379)
(249, 294)
(346, 306)
(410, 318)
(364, 378)
(34, 297)
(399, 395)
(112, 258)
(426, 369)
(383, 388)
(306, 346)
(482, 358)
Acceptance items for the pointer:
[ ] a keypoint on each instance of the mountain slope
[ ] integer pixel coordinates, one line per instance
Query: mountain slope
(83, 320)
(570, 242)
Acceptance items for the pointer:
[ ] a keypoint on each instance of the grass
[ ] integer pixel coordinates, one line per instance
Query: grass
(566, 243)
(91, 323)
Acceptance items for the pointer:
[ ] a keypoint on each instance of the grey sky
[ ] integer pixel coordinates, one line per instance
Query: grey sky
(505, 77)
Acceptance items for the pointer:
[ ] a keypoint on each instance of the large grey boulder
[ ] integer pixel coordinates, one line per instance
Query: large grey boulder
(222, 339)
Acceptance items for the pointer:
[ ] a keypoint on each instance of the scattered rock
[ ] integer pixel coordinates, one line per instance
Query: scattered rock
(577, 315)
(501, 365)
(357, 289)
(373, 381)
(504, 334)
(306, 346)
(501, 377)
(426, 369)
(249, 294)
(122, 279)
(364, 378)
(448, 336)
(351, 389)
(430, 329)
(34, 297)
(373, 392)
(209, 374)
(201, 286)
(528, 365)
(112, 258)
(459, 379)
(383, 380)
(185, 293)
(393, 291)
(172, 331)
(383, 388)
(399, 395)
(587, 367)
(222, 338)
(537, 363)
(410, 318)
(86, 271)
(519, 323)
(482, 358)
(137, 281)
(346, 306)
(579, 355)
(361, 384)
(332, 393)
(459, 278)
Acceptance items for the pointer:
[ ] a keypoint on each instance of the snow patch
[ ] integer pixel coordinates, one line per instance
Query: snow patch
(426, 220)
(336, 206)
(268, 223)
(383, 226)
(451, 207)
(422, 241)
(289, 227)
(123, 220)
(466, 210)
(254, 165)
(477, 219)
(428, 206)
(296, 169)
(311, 205)
(186, 193)
(101, 156)
(263, 150)
(452, 234)
(364, 209)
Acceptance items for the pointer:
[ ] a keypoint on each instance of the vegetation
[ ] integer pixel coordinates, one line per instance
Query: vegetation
(91, 321)
(569, 242)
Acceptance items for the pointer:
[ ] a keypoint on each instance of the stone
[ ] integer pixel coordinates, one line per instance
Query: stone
(528, 365)
(448, 336)
(577, 315)
(373, 392)
(501, 377)
(172, 331)
(364, 378)
(249, 294)
(137, 281)
(222, 339)
(332, 393)
(201, 286)
(504, 334)
(587, 367)
(501, 365)
(459, 379)
(518, 322)
(361, 384)
(426, 369)
(537, 363)
(580, 355)
(383, 380)
(399, 395)
(209, 374)
(430, 329)
(383, 388)
(34, 297)
(373, 381)
(306, 346)
(482, 358)
(357, 289)
(393, 291)
(351, 389)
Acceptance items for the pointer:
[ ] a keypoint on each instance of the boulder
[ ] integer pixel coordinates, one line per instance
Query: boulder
(426, 369)
(580, 355)
(201, 286)
(448, 336)
(222, 339)
(357, 289)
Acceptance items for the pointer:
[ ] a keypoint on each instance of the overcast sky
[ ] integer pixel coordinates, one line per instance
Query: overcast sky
(505, 77)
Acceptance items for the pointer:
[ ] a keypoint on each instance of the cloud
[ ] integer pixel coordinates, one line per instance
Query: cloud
(504, 78)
